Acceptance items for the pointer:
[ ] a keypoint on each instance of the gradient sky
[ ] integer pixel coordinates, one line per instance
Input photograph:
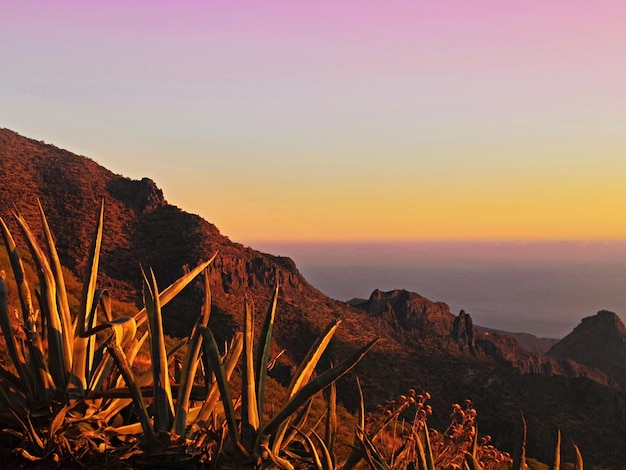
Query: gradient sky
(350, 120)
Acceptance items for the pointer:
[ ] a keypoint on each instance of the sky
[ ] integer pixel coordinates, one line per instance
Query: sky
(339, 121)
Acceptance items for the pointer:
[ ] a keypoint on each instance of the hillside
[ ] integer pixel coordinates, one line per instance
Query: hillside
(423, 345)
(598, 341)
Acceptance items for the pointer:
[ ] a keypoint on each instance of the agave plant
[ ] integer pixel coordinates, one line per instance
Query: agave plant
(256, 438)
(73, 383)
(61, 373)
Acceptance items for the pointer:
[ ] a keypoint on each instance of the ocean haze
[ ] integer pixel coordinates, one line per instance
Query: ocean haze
(542, 288)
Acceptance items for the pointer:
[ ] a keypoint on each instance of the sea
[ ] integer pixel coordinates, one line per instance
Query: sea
(541, 288)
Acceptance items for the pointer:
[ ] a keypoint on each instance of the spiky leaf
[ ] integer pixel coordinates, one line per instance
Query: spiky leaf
(163, 402)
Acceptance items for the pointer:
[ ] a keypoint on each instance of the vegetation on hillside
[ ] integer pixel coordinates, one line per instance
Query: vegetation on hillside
(76, 387)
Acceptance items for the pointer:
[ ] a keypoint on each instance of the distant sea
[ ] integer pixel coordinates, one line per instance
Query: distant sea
(542, 288)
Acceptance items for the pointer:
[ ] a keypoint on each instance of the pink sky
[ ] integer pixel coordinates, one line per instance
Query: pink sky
(339, 120)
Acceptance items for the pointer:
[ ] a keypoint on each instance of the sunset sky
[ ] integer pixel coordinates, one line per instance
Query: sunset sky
(339, 120)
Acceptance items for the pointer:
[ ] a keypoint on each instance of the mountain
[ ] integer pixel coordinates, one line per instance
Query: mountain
(526, 340)
(599, 341)
(422, 344)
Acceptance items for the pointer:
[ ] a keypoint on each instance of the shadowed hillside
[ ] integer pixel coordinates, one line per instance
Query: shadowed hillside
(598, 341)
(423, 345)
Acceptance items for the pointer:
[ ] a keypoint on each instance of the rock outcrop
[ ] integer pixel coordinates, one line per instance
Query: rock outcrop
(463, 332)
(599, 341)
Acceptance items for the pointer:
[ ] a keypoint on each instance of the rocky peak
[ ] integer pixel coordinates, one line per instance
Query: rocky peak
(408, 310)
(598, 341)
(463, 331)
(143, 196)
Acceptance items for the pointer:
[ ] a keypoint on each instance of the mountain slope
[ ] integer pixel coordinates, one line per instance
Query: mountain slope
(598, 341)
(422, 345)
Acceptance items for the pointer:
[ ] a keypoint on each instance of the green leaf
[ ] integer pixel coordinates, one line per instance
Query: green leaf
(84, 346)
(222, 381)
(312, 450)
(430, 461)
(372, 454)
(319, 383)
(328, 462)
(38, 368)
(15, 352)
(331, 420)
(190, 363)
(249, 406)
(263, 353)
(579, 458)
(127, 373)
(308, 364)
(556, 462)
(163, 402)
(174, 289)
(519, 460)
(230, 362)
(55, 264)
(472, 463)
(59, 360)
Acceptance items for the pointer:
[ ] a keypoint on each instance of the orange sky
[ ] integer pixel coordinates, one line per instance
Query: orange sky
(339, 120)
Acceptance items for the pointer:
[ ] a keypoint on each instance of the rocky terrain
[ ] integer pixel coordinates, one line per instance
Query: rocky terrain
(422, 344)
(599, 341)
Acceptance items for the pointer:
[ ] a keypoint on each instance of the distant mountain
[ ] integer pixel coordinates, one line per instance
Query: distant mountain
(599, 341)
(529, 342)
(422, 344)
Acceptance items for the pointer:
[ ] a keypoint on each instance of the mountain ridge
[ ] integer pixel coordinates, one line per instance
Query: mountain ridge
(423, 345)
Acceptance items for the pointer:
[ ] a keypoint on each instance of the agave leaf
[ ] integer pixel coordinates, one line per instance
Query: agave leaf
(57, 421)
(15, 352)
(91, 276)
(210, 403)
(556, 462)
(222, 381)
(190, 363)
(281, 438)
(308, 364)
(140, 405)
(12, 399)
(38, 368)
(331, 420)
(328, 462)
(27, 455)
(55, 264)
(279, 462)
(163, 402)
(319, 383)
(474, 449)
(143, 380)
(421, 452)
(59, 360)
(519, 460)
(472, 463)
(579, 458)
(355, 455)
(372, 454)
(84, 346)
(304, 372)
(430, 461)
(249, 406)
(312, 450)
(126, 430)
(174, 288)
(263, 353)
(18, 272)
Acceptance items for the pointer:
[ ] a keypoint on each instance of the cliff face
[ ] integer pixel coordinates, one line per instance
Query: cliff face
(428, 325)
(599, 341)
(422, 345)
